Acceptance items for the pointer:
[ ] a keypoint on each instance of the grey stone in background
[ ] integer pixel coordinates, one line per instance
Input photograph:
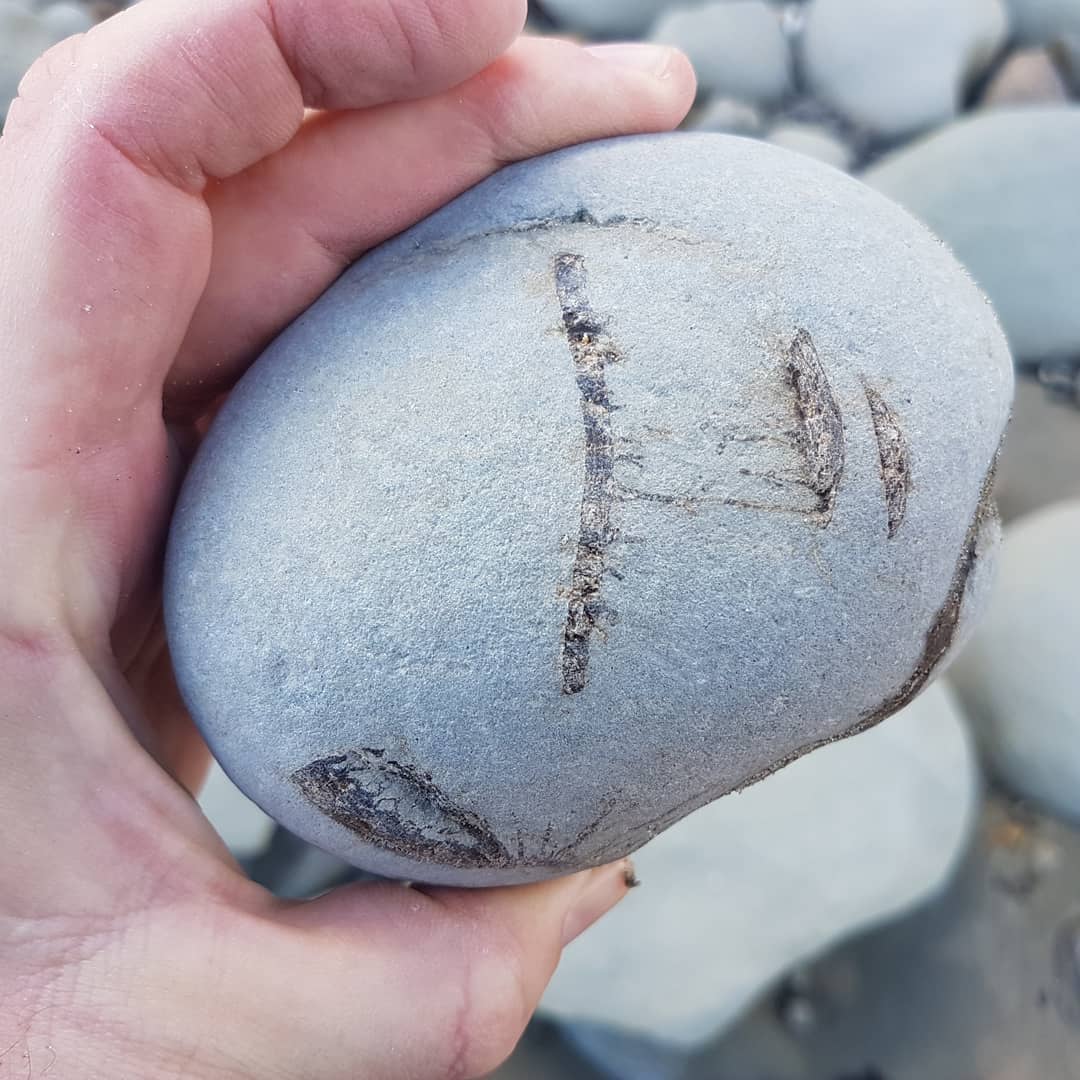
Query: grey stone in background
(747, 888)
(241, 824)
(727, 116)
(1028, 77)
(1001, 189)
(375, 551)
(64, 19)
(896, 67)
(28, 29)
(605, 18)
(980, 984)
(23, 38)
(1066, 53)
(1039, 22)
(1020, 675)
(738, 48)
(622, 1055)
(815, 141)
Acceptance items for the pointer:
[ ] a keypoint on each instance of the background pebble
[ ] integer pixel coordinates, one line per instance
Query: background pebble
(752, 885)
(738, 48)
(897, 67)
(1020, 676)
(1000, 188)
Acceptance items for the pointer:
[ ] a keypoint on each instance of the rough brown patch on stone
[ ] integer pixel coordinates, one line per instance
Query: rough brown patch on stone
(895, 457)
(398, 807)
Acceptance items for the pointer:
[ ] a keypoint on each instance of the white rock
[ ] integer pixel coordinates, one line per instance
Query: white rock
(1020, 676)
(738, 48)
(245, 829)
(815, 141)
(758, 882)
(896, 67)
(1038, 22)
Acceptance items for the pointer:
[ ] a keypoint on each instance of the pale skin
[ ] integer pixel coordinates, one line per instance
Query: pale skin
(170, 202)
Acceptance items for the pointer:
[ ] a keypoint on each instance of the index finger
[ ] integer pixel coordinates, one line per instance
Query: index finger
(114, 137)
(106, 243)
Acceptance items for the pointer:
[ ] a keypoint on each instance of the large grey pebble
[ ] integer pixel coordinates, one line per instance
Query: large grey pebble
(738, 48)
(1039, 22)
(1019, 677)
(895, 67)
(814, 140)
(1001, 189)
(606, 18)
(635, 473)
(744, 890)
(1028, 77)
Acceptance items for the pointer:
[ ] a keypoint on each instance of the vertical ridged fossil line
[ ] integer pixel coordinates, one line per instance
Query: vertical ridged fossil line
(592, 350)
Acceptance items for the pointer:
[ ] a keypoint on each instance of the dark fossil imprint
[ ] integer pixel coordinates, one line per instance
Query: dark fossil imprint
(399, 807)
(592, 350)
(895, 458)
(820, 434)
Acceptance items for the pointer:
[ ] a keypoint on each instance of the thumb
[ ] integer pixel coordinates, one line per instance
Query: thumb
(392, 981)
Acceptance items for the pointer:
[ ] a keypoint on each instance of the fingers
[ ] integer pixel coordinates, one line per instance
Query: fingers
(286, 228)
(106, 241)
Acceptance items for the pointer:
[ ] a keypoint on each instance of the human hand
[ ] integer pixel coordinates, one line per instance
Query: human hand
(169, 207)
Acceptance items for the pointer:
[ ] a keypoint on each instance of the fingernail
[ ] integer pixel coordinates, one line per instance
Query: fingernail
(601, 890)
(653, 59)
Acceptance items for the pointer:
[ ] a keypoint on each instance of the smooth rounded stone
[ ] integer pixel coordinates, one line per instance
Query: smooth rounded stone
(1028, 77)
(606, 18)
(738, 48)
(1000, 189)
(1019, 676)
(632, 475)
(245, 829)
(896, 67)
(1039, 22)
(815, 141)
(727, 116)
(744, 890)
